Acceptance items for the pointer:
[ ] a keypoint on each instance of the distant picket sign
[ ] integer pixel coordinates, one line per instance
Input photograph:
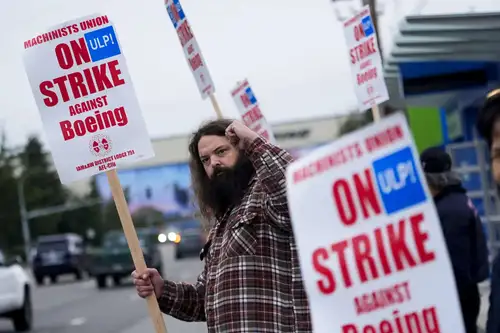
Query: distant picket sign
(365, 60)
(192, 51)
(86, 99)
(249, 108)
(371, 248)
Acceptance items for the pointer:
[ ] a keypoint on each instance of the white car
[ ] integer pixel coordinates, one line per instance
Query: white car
(15, 294)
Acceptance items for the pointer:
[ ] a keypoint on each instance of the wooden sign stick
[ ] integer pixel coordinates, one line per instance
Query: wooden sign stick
(375, 113)
(134, 245)
(216, 106)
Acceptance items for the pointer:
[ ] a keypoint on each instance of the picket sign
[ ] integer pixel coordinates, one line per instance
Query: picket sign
(249, 108)
(371, 249)
(192, 53)
(90, 113)
(365, 61)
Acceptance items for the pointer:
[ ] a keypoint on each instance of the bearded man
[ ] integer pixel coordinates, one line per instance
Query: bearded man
(251, 281)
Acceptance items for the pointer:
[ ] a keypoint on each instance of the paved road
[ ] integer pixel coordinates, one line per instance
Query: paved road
(71, 307)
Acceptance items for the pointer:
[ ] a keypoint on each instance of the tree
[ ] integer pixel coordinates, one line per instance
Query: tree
(148, 217)
(111, 220)
(11, 234)
(355, 121)
(42, 187)
(82, 219)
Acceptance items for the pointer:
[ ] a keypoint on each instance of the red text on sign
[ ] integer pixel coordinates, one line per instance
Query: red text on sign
(253, 115)
(184, 32)
(89, 105)
(51, 35)
(382, 298)
(426, 320)
(384, 138)
(195, 62)
(91, 124)
(364, 193)
(363, 50)
(359, 32)
(368, 75)
(339, 157)
(245, 100)
(94, 22)
(81, 84)
(386, 250)
(76, 53)
(365, 64)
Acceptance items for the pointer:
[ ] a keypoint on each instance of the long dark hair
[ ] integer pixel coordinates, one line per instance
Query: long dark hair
(199, 178)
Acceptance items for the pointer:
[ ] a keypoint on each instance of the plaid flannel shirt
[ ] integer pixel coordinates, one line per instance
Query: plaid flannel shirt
(252, 280)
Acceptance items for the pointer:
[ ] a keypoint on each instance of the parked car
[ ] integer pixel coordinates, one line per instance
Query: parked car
(114, 260)
(189, 239)
(15, 294)
(59, 255)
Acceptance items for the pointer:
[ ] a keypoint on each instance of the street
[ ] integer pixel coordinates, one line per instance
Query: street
(79, 307)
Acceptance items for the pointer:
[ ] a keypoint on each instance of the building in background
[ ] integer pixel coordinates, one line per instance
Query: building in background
(440, 68)
(163, 182)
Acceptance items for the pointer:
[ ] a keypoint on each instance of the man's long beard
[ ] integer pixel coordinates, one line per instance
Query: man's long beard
(228, 186)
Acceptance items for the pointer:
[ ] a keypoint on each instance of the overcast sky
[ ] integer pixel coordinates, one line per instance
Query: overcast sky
(292, 52)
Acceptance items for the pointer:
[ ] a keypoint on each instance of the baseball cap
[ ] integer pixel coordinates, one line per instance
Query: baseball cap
(435, 160)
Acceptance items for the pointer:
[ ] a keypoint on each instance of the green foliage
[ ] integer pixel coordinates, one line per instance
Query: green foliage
(11, 233)
(88, 217)
(42, 187)
(148, 217)
(355, 121)
(31, 170)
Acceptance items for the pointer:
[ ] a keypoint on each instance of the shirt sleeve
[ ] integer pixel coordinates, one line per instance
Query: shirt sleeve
(479, 250)
(493, 321)
(184, 301)
(270, 163)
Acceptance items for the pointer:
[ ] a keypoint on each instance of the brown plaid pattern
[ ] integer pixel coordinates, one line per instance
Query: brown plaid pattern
(251, 281)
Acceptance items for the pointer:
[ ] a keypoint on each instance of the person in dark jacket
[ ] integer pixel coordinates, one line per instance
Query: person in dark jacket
(462, 231)
(488, 127)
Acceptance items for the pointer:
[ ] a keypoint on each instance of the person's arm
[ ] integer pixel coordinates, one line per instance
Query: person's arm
(480, 251)
(493, 321)
(479, 247)
(270, 163)
(184, 301)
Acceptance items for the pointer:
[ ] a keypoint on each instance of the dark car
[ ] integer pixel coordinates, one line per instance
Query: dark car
(114, 259)
(190, 240)
(59, 255)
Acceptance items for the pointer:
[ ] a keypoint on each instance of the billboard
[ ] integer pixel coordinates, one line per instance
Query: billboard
(165, 188)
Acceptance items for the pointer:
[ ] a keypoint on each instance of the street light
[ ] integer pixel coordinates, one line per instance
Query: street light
(27, 215)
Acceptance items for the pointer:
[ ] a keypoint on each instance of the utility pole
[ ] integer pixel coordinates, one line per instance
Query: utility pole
(24, 221)
(27, 215)
(373, 14)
